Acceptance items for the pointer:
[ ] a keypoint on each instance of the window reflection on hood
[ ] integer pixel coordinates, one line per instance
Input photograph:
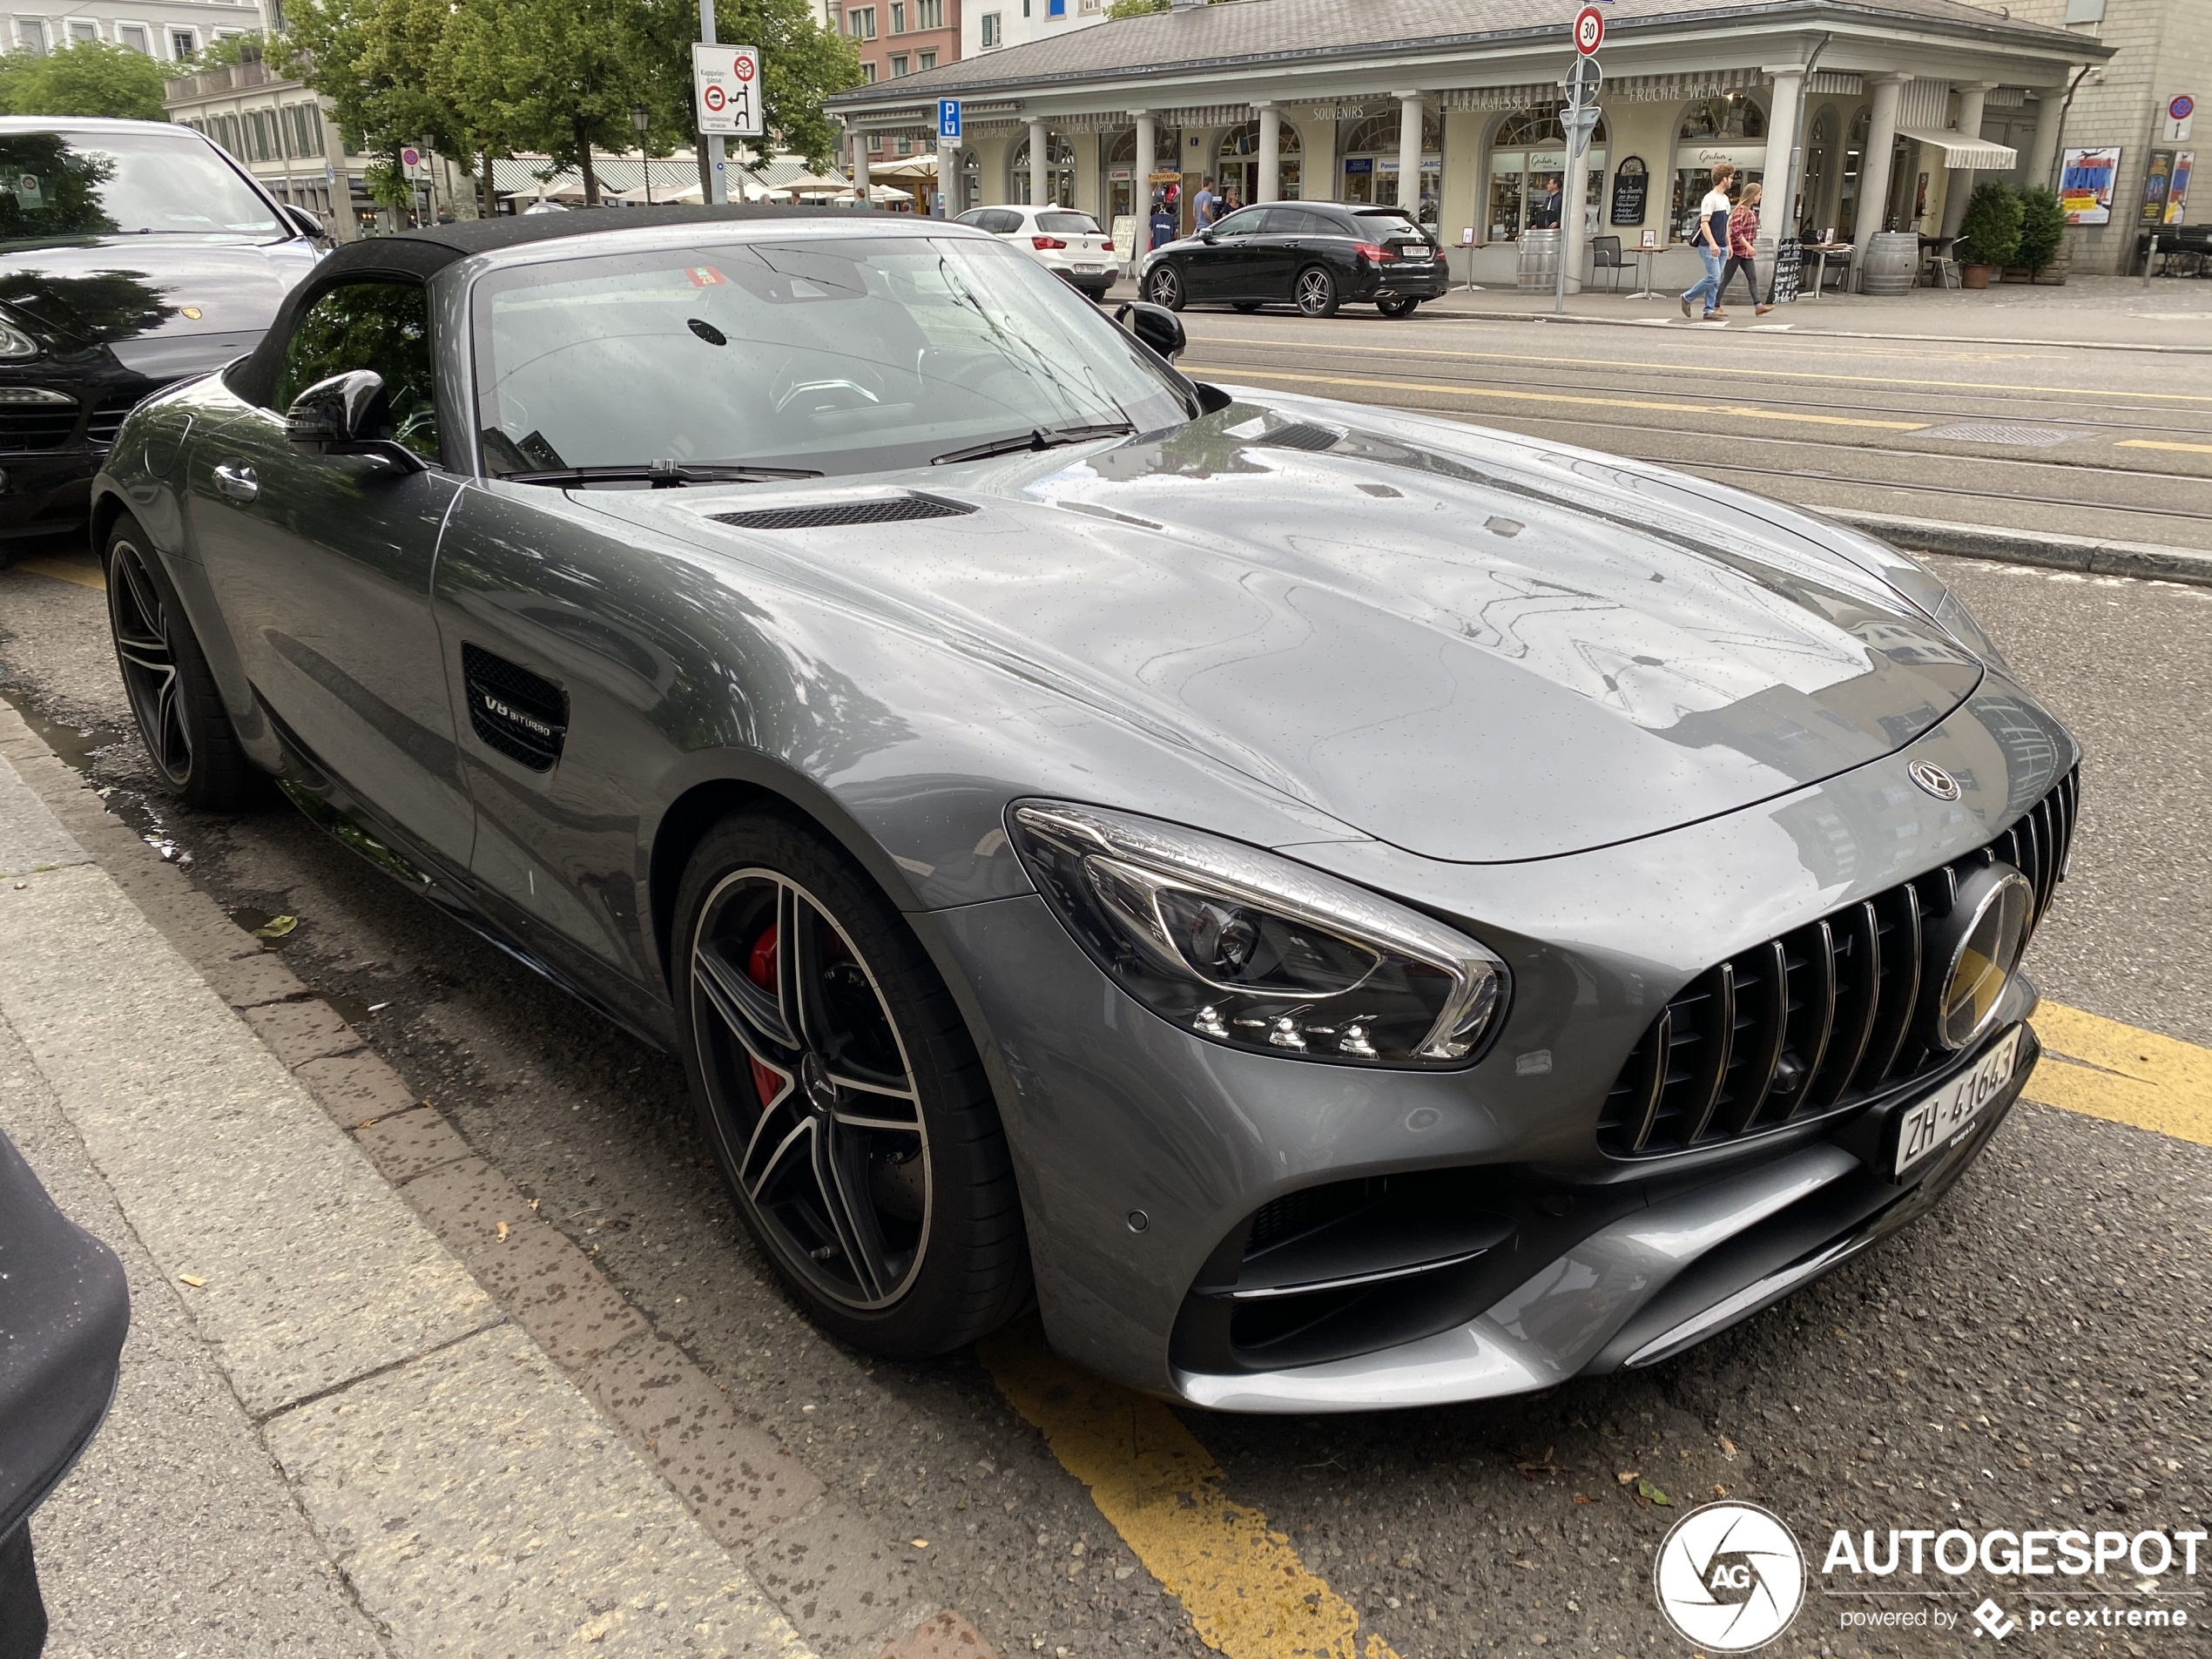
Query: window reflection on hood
(55, 185)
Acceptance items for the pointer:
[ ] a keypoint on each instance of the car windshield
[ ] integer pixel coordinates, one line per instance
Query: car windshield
(58, 185)
(836, 355)
(1067, 225)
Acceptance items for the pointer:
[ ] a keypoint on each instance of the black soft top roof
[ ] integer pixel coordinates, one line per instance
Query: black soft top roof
(418, 255)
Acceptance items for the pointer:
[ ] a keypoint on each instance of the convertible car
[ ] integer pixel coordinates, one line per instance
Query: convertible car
(1342, 909)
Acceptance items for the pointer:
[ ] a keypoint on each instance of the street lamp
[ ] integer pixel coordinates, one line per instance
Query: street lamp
(641, 118)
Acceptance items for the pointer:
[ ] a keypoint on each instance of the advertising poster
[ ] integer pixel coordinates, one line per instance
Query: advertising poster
(2085, 184)
(2157, 180)
(2177, 187)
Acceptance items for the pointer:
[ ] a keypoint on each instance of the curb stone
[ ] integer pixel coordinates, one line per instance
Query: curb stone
(2148, 560)
(843, 1587)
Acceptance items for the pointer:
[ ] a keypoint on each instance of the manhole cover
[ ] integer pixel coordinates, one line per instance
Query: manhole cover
(2025, 437)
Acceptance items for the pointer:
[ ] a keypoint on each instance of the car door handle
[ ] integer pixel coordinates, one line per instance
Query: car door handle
(236, 480)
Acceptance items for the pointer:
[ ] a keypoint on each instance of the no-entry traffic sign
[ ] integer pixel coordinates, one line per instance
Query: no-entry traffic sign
(727, 82)
(1589, 30)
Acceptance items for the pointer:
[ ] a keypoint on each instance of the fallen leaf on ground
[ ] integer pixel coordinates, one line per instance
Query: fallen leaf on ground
(534, 1203)
(1627, 1477)
(1719, 1491)
(1727, 1448)
(276, 926)
(921, 1543)
(1646, 1490)
(502, 1229)
(1581, 1498)
(193, 1279)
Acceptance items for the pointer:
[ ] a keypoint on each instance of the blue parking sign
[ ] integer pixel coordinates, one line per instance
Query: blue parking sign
(948, 118)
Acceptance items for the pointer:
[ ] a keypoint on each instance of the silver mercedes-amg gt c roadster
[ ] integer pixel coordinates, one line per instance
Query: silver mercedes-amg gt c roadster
(1340, 908)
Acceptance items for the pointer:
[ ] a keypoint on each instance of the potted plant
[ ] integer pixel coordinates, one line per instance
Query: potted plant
(2042, 243)
(1990, 233)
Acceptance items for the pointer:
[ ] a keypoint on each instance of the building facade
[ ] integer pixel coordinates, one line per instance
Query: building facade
(2117, 115)
(992, 25)
(1451, 108)
(281, 131)
(171, 30)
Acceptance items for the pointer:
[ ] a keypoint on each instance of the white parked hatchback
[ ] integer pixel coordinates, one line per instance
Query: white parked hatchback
(1062, 240)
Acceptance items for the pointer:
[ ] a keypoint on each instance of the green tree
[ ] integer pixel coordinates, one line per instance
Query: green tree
(91, 77)
(1991, 227)
(2042, 227)
(373, 61)
(801, 64)
(1137, 8)
(556, 75)
(225, 51)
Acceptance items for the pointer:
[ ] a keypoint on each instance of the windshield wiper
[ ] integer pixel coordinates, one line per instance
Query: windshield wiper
(1043, 437)
(661, 475)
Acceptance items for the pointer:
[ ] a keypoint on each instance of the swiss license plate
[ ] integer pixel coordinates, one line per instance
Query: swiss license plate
(1930, 1127)
(1089, 270)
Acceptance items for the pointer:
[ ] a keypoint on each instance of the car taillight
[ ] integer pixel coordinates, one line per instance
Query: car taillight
(1373, 251)
(1040, 243)
(1105, 248)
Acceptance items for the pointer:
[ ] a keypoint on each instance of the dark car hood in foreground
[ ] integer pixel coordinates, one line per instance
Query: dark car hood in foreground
(1474, 647)
(131, 293)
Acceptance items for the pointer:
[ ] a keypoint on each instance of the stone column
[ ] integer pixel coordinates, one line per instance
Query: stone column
(1040, 166)
(1140, 194)
(1271, 154)
(948, 178)
(1874, 166)
(1777, 217)
(2043, 151)
(1410, 108)
(1973, 97)
(859, 168)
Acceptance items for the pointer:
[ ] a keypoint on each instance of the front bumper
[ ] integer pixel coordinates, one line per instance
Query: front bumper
(46, 492)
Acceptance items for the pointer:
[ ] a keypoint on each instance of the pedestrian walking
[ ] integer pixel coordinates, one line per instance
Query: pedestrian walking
(1710, 240)
(1742, 243)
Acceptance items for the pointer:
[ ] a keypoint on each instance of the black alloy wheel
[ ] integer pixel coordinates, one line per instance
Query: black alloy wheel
(1316, 291)
(1398, 306)
(1164, 287)
(172, 692)
(843, 1100)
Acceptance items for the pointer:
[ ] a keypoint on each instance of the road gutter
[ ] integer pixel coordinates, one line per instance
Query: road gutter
(490, 1443)
(2089, 555)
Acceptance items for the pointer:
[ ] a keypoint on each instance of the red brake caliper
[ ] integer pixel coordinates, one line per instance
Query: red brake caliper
(760, 968)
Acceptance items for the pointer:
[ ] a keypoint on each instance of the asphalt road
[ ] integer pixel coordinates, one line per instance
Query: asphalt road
(2035, 1353)
(2055, 438)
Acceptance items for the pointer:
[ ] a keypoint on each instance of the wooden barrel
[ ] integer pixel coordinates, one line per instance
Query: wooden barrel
(1538, 272)
(1892, 262)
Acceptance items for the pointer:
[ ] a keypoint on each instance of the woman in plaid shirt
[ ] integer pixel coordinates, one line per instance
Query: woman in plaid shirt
(1743, 237)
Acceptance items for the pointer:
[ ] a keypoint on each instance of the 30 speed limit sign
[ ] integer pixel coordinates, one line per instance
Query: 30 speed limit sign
(1589, 30)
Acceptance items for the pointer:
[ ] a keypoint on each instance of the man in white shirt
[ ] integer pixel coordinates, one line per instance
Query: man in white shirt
(1710, 240)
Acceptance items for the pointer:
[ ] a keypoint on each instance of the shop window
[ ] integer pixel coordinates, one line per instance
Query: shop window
(1061, 165)
(1732, 117)
(1730, 128)
(1528, 173)
(1237, 168)
(1122, 193)
(1862, 127)
(1369, 165)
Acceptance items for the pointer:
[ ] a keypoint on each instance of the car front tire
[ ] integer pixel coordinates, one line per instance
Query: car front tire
(842, 1094)
(1164, 287)
(171, 692)
(1316, 290)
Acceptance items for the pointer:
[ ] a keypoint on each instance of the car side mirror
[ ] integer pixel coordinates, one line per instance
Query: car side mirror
(1154, 326)
(348, 413)
(303, 222)
(1208, 237)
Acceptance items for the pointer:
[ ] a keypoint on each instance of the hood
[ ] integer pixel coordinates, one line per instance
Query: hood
(165, 307)
(1477, 649)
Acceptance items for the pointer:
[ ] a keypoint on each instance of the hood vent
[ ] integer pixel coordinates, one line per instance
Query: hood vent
(823, 515)
(1300, 434)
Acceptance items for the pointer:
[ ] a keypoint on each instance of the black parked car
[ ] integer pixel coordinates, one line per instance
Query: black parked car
(132, 254)
(1315, 255)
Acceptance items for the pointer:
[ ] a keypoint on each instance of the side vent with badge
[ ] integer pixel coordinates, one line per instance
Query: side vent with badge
(523, 715)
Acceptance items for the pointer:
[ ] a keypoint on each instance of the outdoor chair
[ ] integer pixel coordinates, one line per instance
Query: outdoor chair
(1605, 255)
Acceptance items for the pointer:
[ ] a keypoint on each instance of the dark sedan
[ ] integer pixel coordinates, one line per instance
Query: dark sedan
(132, 254)
(1314, 255)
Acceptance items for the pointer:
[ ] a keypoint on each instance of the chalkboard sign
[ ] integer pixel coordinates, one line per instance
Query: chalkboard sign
(1631, 189)
(1788, 268)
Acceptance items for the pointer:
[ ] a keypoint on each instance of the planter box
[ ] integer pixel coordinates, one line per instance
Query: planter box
(2017, 273)
(1975, 276)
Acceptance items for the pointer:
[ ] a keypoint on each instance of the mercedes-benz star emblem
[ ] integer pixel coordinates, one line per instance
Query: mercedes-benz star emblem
(1934, 779)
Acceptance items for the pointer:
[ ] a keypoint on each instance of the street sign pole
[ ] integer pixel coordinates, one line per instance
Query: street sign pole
(715, 189)
(947, 154)
(1576, 122)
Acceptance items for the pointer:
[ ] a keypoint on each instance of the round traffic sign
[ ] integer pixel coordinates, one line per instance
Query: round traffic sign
(410, 157)
(744, 67)
(716, 99)
(1589, 30)
(2181, 107)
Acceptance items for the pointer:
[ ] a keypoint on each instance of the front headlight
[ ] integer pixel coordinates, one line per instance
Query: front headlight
(1248, 949)
(16, 346)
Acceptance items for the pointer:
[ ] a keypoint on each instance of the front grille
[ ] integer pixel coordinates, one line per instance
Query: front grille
(37, 426)
(843, 512)
(106, 419)
(1301, 434)
(1810, 1024)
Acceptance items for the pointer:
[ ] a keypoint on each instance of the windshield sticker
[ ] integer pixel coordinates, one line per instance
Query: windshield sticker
(705, 276)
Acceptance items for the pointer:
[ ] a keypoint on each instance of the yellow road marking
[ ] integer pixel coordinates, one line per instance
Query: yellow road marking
(2124, 1074)
(62, 570)
(1705, 368)
(2153, 443)
(1247, 1592)
(1239, 371)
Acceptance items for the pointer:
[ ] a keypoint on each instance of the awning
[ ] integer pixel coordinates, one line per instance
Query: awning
(1960, 150)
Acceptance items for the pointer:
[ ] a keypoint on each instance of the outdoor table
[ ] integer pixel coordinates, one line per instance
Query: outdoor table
(1821, 250)
(1643, 274)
